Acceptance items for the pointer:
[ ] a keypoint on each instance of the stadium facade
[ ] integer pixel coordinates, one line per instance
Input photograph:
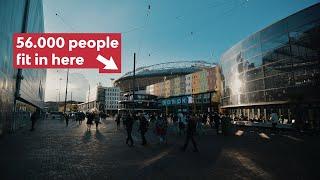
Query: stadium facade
(276, 69)
(197, 92)
(172, 87)
(152, 74)
(21, 91)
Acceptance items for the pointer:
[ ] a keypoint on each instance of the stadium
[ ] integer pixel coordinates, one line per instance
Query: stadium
(152, 74)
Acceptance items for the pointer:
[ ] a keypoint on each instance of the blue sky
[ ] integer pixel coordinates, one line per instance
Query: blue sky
(169, 31)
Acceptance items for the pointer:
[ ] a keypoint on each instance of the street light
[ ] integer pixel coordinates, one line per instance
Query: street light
(60, 79)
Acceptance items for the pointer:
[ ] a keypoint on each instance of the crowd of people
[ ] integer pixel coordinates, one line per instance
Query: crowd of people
(182, 123)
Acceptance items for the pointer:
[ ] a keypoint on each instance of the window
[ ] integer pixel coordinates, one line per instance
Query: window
(254, 85)
(282, 80)
(278, 67)
(251, 52)
(275, 43)
(254, 74)
(279, 27)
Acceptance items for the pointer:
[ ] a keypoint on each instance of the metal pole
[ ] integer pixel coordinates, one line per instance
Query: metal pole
(59, 88)
(88, 96)
(134, 78)
(66, 95)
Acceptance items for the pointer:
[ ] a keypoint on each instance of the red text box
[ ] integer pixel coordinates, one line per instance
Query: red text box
(68, 50)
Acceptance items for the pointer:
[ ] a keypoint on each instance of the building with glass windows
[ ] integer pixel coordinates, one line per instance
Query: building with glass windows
(197, 92)
(276, 69)
(101, 98)
(21, 91)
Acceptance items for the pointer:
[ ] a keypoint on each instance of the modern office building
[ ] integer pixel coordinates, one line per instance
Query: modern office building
(112, 98)
(276, 69)
(102, 99)
(21, 91)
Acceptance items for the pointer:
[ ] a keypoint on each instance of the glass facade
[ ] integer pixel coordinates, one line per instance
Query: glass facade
(277, 68)
(19, 16)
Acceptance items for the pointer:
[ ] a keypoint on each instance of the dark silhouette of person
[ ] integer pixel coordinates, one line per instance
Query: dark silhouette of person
(83, 117)
(66, 117)
(216, 119)
(33, 118)
(90, 117)
(191, 130)
(129, 125)
(97, 119)
(211, 120)
(118, 118)
(143, 128)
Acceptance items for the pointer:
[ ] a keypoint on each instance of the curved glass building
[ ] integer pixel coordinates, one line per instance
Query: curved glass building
(276, 69)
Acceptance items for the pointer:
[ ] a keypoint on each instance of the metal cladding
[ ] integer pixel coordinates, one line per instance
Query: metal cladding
(149, 75)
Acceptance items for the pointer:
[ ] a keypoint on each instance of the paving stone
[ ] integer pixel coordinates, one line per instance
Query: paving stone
(54, 151)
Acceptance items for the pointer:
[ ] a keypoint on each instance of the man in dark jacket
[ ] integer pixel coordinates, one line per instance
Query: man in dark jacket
(129, 124)
(216, 119)
(118, 119)
(33, 118)
(211, 120)
(143, 128)
(66, 116)
(191, 129)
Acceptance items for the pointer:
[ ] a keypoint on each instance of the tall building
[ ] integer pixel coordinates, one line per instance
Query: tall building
(102, 99)
(276, 69)
(21, 91)
(112, 98)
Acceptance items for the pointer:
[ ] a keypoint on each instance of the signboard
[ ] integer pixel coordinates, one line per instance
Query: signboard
(68, 50)
(184, 100)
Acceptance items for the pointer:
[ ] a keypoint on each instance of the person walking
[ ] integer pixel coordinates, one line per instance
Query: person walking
(211, 120)
(118, 119)
(97, 119)
(103, 115)
(216, 119)
(191, 129)
(33, 118)
(182, 123)
(200, 124)
(82, 117)
(274, 120)
(160, 129)
(89, 121)
(143, 127)
(78, 117)
(66, 117)
(129, 124)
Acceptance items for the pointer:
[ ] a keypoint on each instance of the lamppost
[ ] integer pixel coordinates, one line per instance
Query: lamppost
(66, 95)
(57, 93)
(60, 79)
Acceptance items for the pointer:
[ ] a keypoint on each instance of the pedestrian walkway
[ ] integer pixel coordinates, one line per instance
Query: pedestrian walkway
(54, 151)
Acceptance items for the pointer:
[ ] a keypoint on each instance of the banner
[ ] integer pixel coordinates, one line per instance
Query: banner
(68, 50)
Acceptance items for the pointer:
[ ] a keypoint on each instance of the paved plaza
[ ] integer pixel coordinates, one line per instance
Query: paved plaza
(54, 151)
